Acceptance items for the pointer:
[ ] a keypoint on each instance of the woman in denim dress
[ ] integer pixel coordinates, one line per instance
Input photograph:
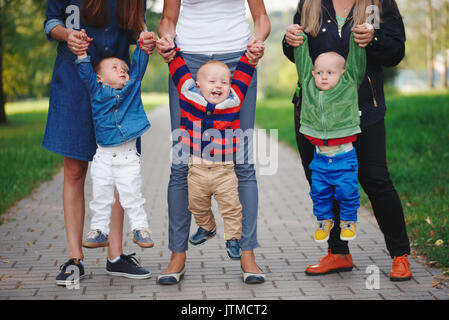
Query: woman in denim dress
(113, 25)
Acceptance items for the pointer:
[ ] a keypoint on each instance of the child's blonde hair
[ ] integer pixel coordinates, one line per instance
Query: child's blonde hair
(211, 62)
(97, 66)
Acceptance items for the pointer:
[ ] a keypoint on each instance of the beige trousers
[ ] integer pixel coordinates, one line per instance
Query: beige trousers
(220, 181)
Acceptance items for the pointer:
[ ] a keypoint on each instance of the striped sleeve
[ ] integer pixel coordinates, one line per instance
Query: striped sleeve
(179, 71)
(242, 77)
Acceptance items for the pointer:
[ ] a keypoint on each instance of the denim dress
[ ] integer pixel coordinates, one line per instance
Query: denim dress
(70, 129)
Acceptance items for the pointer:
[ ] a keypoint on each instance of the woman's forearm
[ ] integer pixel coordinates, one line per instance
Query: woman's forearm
(166, 27)
(262, 26)
(170, 14)
(60, 33)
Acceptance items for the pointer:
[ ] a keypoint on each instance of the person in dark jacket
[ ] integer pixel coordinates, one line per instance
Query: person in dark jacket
(328, 24)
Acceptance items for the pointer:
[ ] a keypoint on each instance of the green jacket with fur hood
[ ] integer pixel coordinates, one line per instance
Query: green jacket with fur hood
(334, 113)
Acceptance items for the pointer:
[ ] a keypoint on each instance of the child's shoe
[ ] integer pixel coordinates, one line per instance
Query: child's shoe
(142, 237)
(201, 235)
(96, 239)
(347, 230)
(323, 231)
(233, 249)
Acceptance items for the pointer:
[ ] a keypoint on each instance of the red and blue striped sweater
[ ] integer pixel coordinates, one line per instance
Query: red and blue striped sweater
(210, 131)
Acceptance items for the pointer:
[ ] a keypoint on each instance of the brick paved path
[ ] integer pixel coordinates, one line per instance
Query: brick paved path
(33, 245)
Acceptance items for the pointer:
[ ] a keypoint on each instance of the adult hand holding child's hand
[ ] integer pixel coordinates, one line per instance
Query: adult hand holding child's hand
(363, 34)
(78, 42)
(164, 46)
(255, 51)
(147, 41)
(291, 35)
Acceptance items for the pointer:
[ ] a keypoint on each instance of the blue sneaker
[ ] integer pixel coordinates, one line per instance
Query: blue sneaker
(233, 249)
(142, 237)
(127, 266)
(202, 236)
(96, 239)
(71, 273)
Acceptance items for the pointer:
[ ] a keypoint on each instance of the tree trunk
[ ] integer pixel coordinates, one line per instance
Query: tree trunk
(430, 54)
(3, 118)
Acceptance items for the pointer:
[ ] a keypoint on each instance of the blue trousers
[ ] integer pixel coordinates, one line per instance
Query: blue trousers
(178, 214)
(335, 178)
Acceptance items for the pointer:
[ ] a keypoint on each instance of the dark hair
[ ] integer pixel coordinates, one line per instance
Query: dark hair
(129, 14)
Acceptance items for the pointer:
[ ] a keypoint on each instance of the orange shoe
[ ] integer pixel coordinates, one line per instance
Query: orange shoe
(400, 271)
(329, 264)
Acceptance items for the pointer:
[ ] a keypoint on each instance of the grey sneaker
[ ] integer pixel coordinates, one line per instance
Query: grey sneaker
(142, 237)
(96, 239)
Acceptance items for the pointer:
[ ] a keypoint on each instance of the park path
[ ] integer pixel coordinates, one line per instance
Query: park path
(33, 245)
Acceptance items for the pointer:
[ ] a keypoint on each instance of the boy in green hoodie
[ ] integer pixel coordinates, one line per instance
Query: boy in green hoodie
(330, 119)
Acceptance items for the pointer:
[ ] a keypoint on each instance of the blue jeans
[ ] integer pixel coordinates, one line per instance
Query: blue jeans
(178, 214)
(335, 178)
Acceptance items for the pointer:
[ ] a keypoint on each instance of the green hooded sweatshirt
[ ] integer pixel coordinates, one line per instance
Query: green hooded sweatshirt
(333, 113)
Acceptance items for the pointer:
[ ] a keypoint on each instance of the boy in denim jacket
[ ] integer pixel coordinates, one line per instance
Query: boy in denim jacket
(119, 119)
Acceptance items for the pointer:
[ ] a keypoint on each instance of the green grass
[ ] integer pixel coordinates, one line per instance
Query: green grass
(418, 160)
(24, 164)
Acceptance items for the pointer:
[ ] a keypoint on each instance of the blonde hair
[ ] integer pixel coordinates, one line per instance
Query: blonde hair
(212, 62)
(97, 66)
(311, 17)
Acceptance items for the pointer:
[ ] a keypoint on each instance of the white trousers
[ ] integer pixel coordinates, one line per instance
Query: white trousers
(117, 168)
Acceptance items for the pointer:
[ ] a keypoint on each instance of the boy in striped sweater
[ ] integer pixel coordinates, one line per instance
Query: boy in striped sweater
(209, 129)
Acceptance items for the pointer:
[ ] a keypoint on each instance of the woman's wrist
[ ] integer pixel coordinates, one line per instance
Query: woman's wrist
(60, 33)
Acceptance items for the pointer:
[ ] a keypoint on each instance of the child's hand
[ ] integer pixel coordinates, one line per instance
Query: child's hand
(363, 34)
(147, 41)
(255, 51)
(83, 38)
(291, 35)
(165, 47)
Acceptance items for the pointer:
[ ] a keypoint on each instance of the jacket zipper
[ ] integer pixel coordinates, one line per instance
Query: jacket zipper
(336, 23)
(323, 122)
(372, 91)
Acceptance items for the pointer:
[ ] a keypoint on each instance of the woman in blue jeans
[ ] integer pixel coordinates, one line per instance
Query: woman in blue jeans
(211, 30)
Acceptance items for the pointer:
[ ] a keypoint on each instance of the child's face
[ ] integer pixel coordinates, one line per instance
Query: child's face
(329, 67)
(214, 82)
(113, 72)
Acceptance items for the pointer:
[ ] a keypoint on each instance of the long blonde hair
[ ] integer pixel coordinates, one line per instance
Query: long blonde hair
(311, 17)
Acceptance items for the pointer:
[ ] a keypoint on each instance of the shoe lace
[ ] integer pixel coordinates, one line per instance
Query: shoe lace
(329, 256)
(234, 243)
(92, 234)
(322, 224)
(131, 259)
(401, 260)
(145, 233)
(347, 225)
(66, 264)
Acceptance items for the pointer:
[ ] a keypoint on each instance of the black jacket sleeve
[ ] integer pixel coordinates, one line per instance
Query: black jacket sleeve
(388, 44)
(289, 50)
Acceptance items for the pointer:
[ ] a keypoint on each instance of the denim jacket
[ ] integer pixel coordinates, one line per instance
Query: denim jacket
(118, 114)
